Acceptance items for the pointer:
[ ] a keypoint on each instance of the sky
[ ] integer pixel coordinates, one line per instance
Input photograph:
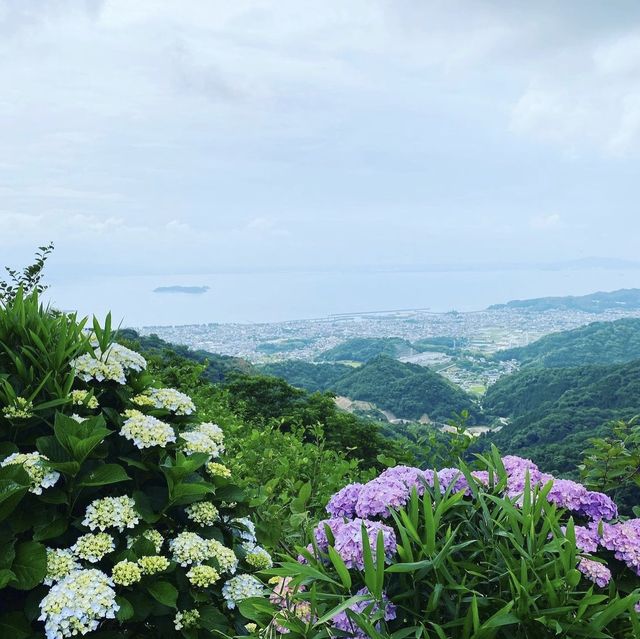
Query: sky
(200, 136)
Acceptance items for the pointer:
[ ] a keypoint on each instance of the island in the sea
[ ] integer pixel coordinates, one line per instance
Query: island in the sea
(189, 290)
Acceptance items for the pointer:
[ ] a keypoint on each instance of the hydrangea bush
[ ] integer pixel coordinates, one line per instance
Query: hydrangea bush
(117, 514)
(501, 551)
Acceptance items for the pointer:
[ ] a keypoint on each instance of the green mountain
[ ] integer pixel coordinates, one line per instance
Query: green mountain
(312, 377)
(409, 391)
(626, 298)
(552, 412)
(597, 343)
(363, 349)
(217, 367)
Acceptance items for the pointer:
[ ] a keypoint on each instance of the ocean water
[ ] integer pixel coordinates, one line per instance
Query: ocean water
(273, 297)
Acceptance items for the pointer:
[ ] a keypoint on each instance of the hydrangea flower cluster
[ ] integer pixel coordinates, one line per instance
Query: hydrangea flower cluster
(167, 399)
(36, 467)
(218, 470)
(60, 562)
(126, 573)
(78, 603)
(348, 539)
(358, 504)
(21, 408)
(110, 365)
(93, 547)
(84, 398)
(203, 576)
(282, 596)
(257, 557)
(152, 564)
(186, 619)
(203, 513)
(199, 440)
(241, 587)
(341, 621)
(146, 431)
(595, 571)
(111, 512)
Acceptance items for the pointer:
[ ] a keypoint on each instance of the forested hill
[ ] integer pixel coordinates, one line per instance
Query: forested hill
(217, 366)
(363, 349)
(554, 411)
(598, 343)
(407, 390)
(626, 298)
(311, 377)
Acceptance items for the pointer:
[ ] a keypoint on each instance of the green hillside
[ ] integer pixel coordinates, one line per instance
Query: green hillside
(407, 390)
(312, 377)
(626, 298)
(554, 411)
(598, 343)
(363, 349)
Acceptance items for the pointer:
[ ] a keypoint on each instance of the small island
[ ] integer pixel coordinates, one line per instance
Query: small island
(189, 290)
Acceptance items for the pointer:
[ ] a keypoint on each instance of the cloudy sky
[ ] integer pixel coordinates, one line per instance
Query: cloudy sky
(202, 136)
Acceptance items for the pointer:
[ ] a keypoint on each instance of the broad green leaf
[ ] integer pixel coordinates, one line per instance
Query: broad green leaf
(103, 475)
(163, 592)
(29, 565)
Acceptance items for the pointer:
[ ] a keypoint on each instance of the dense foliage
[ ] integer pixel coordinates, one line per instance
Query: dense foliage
(307, 375)
(628, 299)
(407, 390)
(113, 513)
(363, 349)
(553, 412)
(597, 343)
(500, 552)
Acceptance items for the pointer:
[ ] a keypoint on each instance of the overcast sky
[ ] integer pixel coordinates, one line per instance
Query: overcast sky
(159, 136)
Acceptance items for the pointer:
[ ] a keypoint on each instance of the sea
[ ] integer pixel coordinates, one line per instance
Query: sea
(297, 295)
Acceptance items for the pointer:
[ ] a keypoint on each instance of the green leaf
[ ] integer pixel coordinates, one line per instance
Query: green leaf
(54, 528)
(14, 484)
(126, 609)
(29, 565)
(164, 592)
(187, 493)
(340, 567)
(80, 438)
(103, 475)
(6, 577)
(14, 625)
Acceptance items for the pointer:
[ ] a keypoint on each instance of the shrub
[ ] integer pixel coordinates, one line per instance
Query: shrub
(504, 551)
(116, 515)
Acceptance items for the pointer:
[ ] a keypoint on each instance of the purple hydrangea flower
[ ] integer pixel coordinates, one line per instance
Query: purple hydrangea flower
(342, 622)
(518, 469)
(380, 495)
(343, 503)
(348, 537)
(481, 476)
(587, 538)
(597, 506)
(449, 476)
(567, 494)
(624, 540)
(595, 571)
(409, 476)
(320, 533)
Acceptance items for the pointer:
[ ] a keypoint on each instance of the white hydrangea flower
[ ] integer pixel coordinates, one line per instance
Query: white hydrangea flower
(128, 359)
(93, 547)
(22, 408)
(83, 398)
(77, 604)
(126, 573)
(226, 558)
(36, 467)
(89, 368)
(241, 587)
(212, 431)
(218, 470)
(189, 548)
(203, 513)
(146, 431)
(111, 512)
(60, 562)
(143, 400)
(186, 619)
(243, 528)
(168, 399)
(193, 441)
(203, 576)
(151, 564)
